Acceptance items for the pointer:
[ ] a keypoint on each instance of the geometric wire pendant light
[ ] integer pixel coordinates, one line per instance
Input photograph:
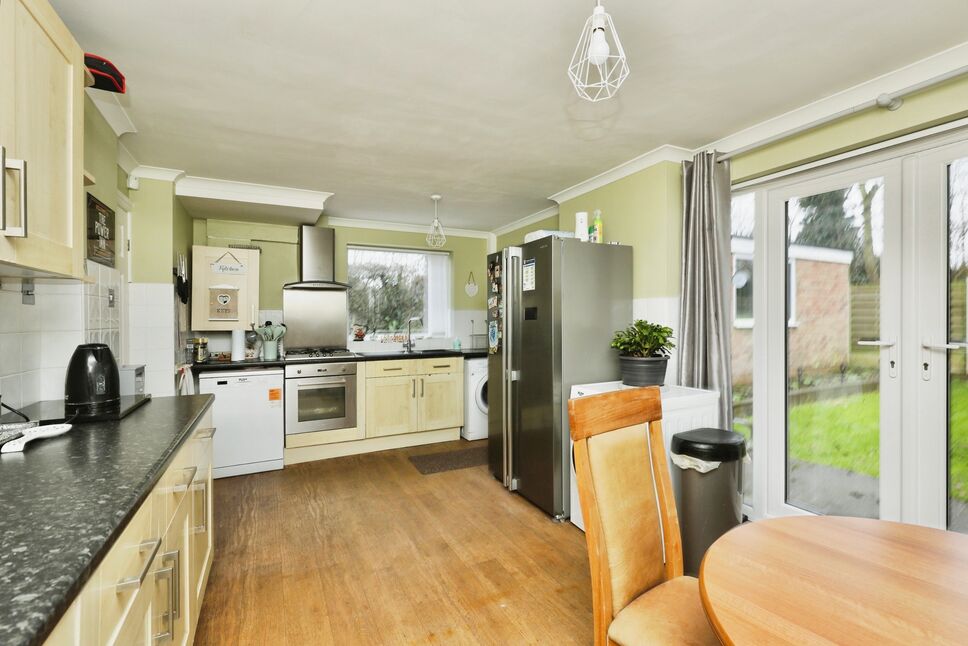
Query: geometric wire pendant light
(436, 237)
(598, 67)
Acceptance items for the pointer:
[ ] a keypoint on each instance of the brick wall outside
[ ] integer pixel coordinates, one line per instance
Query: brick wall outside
(820, 341)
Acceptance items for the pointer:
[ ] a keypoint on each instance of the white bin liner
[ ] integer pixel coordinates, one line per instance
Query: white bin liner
(689, 462)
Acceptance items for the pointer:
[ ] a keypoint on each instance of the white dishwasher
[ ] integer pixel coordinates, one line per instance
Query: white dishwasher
(248, 413)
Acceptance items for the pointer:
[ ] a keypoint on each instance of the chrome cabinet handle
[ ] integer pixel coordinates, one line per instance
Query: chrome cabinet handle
(201, 529)
(168, 635)
(421, 387)
(135, 582)
(184, 487)
(174, 557)
(391, 369)
(446, 365)
(413, 395)
(19, 165)
(205, 433)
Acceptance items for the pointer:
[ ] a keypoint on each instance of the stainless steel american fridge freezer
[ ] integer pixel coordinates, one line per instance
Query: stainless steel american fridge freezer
(553, 305)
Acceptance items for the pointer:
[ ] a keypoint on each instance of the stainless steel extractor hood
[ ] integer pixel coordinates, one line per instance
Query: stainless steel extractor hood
(317, 259)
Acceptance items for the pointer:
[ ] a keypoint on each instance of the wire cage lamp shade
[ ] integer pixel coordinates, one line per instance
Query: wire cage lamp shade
(436, 237)
(598, 67)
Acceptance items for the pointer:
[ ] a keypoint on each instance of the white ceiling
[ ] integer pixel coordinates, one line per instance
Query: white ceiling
(385, 102)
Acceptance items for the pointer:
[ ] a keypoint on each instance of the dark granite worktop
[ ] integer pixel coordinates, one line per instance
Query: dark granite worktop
(66, 499)
(374, 355)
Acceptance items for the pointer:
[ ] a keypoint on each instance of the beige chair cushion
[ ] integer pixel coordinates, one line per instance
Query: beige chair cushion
(622, 478)
(670, 613)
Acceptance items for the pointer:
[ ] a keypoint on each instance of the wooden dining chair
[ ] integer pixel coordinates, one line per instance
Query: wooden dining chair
(639, 593)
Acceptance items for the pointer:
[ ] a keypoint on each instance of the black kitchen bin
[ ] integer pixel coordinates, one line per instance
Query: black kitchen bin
(710, 503)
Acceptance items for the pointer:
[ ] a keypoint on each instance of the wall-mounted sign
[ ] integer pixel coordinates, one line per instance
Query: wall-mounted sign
(227, 263)
(100, 232)
(223, 303)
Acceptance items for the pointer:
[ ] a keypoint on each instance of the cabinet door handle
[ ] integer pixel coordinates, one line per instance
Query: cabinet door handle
(413, 395)
(134, 582)
(184, 487)
(446, 365)
(203, 527)
(205, 433)
(421, 387)
(18, 165)
(168, 635)
(392, 369)
(175, 558)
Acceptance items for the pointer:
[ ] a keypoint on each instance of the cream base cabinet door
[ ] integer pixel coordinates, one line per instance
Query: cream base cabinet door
(42, 132)
(440, 401)
(391, 406)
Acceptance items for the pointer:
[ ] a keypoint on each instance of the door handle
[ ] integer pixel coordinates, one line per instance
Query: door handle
(944, 347)
(168, 635)
(877, 343)
(421, 387)
(174, 557)
(18, 165)
(134, 582)
(202, 527)
(413, 395)
(884, 345)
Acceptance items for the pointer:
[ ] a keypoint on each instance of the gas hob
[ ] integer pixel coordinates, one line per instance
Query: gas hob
(315, 354)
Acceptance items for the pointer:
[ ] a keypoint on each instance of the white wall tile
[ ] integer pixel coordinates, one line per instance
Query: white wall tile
(10, 389)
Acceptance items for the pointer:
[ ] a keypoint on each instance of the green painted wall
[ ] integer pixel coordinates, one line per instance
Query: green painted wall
(152, 228)
(927, 108)
(643, 210)
(278, 263)
(100, 155)
(516, 237)
(181, 233)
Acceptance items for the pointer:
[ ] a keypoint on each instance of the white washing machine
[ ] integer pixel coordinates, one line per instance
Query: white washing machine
(475, 399)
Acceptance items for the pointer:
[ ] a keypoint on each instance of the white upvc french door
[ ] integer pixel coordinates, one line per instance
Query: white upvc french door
(833, 367)
(860, 348)
(938, 470)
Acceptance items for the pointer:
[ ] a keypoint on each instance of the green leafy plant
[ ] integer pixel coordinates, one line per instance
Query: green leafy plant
(644, 339)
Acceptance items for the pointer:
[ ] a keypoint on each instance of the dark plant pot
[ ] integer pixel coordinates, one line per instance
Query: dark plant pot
(643, 371)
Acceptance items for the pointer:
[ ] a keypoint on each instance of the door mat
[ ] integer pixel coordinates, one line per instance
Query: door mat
(450, 460)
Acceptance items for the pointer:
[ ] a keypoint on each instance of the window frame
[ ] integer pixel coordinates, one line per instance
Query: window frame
(445, 316)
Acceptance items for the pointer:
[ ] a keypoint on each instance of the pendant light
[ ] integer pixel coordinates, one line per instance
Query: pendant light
(598, 66)
(436, 237)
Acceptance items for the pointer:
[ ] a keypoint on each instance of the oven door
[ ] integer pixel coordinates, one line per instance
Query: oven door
(320, 404)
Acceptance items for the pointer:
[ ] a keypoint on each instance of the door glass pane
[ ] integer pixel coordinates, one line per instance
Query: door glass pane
(741, 243)
(325, 402)
(957, 364)
(834, 245)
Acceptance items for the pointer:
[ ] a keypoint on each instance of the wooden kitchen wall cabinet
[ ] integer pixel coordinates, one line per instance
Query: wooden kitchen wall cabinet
(225, 288)
(42, 135)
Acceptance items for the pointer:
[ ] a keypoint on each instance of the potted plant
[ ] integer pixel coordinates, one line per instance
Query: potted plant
(643, 353)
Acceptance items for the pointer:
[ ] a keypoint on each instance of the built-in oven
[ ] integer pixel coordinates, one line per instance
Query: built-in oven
(320, 397)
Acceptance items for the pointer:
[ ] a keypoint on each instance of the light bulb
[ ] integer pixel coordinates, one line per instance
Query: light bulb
(598, 50)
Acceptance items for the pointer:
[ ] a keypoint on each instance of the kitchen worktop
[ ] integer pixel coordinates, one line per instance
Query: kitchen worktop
(66, 500)
(375, 355)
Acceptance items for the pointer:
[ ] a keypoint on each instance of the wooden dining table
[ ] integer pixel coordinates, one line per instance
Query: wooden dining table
(835, 580)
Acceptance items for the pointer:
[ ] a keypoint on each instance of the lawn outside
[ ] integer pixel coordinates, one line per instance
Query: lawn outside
(843, 432)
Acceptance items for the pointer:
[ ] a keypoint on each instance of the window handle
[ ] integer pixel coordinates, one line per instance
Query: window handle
(877, 343)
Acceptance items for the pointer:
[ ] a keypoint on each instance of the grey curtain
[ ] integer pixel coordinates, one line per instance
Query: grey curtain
(704, 316)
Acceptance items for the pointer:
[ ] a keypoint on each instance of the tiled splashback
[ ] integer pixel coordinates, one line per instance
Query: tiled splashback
(103, 304)
(36, 341)
(151, 316)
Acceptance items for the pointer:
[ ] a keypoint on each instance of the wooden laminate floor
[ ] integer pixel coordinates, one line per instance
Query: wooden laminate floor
(365, 550)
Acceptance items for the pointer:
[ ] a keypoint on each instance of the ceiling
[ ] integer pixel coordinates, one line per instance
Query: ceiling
(384, 102)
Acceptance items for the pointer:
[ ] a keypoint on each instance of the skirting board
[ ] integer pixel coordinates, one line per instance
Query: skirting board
(243, 469)
(326, 451)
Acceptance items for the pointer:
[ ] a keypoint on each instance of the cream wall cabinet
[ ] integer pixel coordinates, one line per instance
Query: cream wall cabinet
(150, 585)
(428, 397)
(224, 274)
(42, 135)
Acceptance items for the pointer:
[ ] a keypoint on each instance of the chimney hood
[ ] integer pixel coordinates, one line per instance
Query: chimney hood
(317, 259)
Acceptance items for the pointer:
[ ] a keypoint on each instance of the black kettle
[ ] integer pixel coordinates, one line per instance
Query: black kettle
(92, 387)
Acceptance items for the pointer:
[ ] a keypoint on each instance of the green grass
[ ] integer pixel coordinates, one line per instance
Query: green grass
(843, 433)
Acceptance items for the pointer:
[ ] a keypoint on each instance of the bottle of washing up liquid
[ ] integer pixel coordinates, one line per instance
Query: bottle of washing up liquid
(598, 227)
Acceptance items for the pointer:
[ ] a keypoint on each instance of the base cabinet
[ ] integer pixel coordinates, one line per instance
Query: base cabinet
(150, 586)
(428, 397)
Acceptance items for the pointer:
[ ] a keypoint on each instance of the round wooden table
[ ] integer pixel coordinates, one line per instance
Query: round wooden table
(825, 579)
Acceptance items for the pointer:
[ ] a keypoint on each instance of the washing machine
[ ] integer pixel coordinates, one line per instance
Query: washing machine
(475, 399)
